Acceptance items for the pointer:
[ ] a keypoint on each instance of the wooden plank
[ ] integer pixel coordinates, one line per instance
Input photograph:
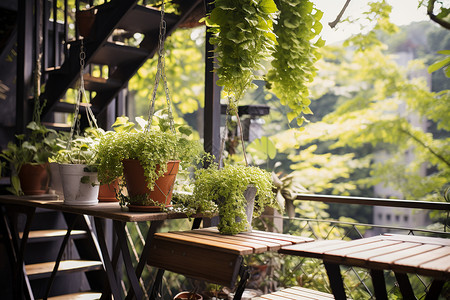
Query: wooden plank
(350, 248)
(372, 254)
(279, 236)
(214, 245)
(439, 265)
(259, 241)
(314, 249)
(257, 248)
(319, 293)
(417, 239)
(275, 297)
(78, 296)
(386, 260)
(51, 233)
(299, 294)
(414, 263)
(40, 270)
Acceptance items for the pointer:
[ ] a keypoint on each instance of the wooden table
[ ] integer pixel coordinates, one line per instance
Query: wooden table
(402, 254)
(100, 212)
(207, 255)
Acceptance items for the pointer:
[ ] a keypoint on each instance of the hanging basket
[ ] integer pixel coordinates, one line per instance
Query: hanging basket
(137, 185)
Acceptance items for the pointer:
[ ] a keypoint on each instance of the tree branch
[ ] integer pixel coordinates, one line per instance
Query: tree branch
(339, 16)
(433, 17)
(440, 157)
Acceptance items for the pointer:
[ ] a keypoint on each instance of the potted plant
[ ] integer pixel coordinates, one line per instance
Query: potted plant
(28, 159)
(148, 158)
(233, 188)
(78, 168)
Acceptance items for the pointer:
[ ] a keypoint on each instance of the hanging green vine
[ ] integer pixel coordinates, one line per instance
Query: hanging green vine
(242, 34)
(295, 54)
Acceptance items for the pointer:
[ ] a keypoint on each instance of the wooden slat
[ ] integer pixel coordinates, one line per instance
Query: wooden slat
(314, 249)
(44, 269)
(224, 247)
(417, 261)
(416, 239)
(297, 293)
(35, 234)
(323, 294)
(389, 258)
(256, 240)
(78, 296)
(348, 249)
(257, 248)
(440, 264)
(278, 236)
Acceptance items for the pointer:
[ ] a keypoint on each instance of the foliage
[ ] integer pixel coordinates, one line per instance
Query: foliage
(81, 150)
(226, 187)
(442, 64)
(153, 148)
(295, 55)
(242, 34)
(36, 148)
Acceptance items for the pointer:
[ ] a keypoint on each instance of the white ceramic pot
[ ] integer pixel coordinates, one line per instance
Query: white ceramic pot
(76, 192)
(55, 185)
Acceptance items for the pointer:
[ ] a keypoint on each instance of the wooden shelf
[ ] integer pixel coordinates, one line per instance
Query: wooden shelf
(42, 270)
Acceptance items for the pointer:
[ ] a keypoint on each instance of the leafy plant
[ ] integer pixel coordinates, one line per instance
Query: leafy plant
(82, 149)
(297, 24)
(242, 34)
(36, 148)
(226, 186)
(153, 147)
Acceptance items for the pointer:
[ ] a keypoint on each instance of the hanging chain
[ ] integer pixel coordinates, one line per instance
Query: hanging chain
(80, 94)
(161, 74)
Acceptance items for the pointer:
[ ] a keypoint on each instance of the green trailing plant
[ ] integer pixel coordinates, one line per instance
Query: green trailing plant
(226, 186)
(242, 34)
(296, 26)
(153, 148)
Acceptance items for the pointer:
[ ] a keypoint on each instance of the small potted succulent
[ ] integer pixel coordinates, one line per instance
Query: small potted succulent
(240, 192)
(78, 168)
(147, 159)
(29, 159)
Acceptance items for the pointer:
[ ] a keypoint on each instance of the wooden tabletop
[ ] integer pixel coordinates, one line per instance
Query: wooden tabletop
(427, 256)
(244, 243)
(108, 210)
(207, 255)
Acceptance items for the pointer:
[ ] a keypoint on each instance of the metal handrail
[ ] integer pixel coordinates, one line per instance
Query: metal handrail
(376, 201)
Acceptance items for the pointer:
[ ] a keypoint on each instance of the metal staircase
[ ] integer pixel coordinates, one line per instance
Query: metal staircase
(114, 21)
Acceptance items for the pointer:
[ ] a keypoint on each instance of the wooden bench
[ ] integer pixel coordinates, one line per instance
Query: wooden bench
(296, 293)
(207, 255)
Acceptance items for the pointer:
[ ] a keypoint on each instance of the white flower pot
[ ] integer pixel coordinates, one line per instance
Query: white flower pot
(76, 192)
(55, 185)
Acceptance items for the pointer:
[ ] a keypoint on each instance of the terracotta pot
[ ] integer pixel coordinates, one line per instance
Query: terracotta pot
(137, 183)
(107, 192)
(34, 179)
(188, 295)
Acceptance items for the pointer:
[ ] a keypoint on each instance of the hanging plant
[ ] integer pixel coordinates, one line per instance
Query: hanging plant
(242, 34)
(295, 54)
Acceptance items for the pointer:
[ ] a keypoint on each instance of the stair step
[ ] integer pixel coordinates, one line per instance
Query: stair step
(115, 54)
(78, 296)
(43, 270)
(57, 126)
(66, 107)
(99, 84)
(145, 19)
(46, 235)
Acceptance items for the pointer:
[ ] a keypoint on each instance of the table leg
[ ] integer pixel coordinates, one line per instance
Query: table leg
(245, 275)
(110, 272)
(157, 284)
(379, 284)
(435, 289)
(119, 228)
(336, 282)
(405, 286)
(154, 225)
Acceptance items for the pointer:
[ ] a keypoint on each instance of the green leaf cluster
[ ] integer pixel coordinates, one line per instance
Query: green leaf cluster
(295, 54)
(153, 148)
(242, 34)
(226, 187)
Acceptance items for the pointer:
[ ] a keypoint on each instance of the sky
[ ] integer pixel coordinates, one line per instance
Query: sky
(403, 13)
